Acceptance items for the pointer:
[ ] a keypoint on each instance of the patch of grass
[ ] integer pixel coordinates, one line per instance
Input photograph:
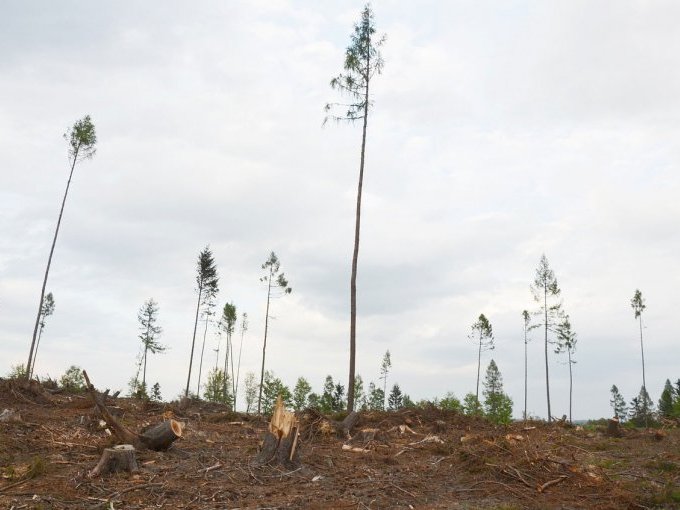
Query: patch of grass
(669, 495)
(664, 466)
(38, 467)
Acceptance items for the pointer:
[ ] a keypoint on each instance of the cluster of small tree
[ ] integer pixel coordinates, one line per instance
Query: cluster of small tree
(640, 412)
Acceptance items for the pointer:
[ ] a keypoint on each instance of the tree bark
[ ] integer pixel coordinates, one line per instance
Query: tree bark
(525, 372)
(118, 458)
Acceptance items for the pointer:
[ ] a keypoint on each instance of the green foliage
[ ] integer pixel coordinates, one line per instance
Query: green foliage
(450, 403)
(216, 388)
(638, 303)
(332, 399)
(408, 402)
(207, 279)
(251, 391)
(273, 388)
(314, 401)
(81, 139)
(362, 61)
(300, 394)
(360, 401)
(156, 393)
(497, 404)
(641, 410)
(472, 406)
(140, 390)
(272, 266)
(618, 404)
(666, 400)
(17, 372)
(396, 398)
(376, 398)
(73, 380)
(546, 293)
(149, 332)
(482, 333)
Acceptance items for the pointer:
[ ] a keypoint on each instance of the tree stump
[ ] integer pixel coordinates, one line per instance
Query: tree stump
(118, 458)
(281, 440)
(613, 427)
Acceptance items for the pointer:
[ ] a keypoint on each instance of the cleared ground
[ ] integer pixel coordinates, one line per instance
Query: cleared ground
(439, 460)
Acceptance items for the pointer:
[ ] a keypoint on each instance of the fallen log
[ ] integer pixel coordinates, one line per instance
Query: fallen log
(157, 437)
(118, 458)
(281, 440)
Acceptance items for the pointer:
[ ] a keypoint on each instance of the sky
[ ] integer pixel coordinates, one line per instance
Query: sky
(500, 131)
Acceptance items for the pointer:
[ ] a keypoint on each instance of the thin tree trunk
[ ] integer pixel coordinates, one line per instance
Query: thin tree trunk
(29, 368)
(570, 384)
(355, 254)
(193, 340)
(146, 350)
(35, 353)
(479, 364)
(642, 350)
(264, 345)
(644, 384)
(233, 383)
(238, 368)
(525, 372)
(226, 364)
(200, 365)
(547, 379)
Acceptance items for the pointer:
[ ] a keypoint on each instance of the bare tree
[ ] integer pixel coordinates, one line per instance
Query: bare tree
(147, 317)
(206, 288)
(81, 140)
(545, 289)
(362, 62)
(566, 342)
(482, 335)
(276, 281)
(244, 328)
(527, 321)
(638, 305)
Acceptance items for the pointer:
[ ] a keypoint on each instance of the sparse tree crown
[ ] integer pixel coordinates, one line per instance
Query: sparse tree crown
(81, 138)
(362, 61)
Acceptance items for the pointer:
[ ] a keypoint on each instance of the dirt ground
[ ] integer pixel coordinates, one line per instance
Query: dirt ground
(438, 460)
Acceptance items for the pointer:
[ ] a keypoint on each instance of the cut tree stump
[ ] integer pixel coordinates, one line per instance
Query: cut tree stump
(614, 428)
(281, 440)
(118, 458)
(158, 437)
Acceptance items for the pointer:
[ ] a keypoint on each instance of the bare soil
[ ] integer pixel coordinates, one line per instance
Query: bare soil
(439, 460)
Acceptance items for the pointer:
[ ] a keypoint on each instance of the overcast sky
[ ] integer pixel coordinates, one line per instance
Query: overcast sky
(500, 131)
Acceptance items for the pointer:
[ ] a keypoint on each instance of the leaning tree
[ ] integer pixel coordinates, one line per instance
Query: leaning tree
(81, 139)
